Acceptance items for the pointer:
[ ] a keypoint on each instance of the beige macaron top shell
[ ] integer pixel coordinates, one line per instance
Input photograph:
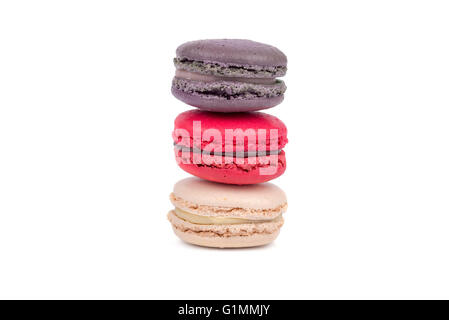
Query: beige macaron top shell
(205, 193)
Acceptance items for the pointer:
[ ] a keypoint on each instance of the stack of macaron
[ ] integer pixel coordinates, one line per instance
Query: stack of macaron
(231, 147)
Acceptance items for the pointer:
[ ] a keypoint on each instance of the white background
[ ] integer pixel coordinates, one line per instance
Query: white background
(86, 159)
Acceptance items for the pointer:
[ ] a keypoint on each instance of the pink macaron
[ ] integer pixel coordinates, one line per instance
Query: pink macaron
(231, 148)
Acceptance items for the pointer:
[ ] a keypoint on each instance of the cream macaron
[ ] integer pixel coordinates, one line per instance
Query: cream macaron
(226, 216)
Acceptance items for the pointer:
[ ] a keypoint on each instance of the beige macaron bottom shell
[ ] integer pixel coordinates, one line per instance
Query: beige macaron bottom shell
(254, 240)
(226, 236)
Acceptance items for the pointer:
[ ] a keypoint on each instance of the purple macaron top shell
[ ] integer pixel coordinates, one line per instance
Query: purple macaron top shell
(232, 52)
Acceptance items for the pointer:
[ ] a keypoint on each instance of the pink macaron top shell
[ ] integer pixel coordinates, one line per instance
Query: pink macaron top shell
(266, 130)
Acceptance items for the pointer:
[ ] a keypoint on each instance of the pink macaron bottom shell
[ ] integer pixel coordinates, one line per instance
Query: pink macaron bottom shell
(234, 171)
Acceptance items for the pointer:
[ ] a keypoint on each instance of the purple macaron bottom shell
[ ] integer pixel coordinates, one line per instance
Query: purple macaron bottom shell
(221, 104)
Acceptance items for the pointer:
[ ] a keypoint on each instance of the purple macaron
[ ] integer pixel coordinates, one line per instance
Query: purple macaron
(229, 75)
